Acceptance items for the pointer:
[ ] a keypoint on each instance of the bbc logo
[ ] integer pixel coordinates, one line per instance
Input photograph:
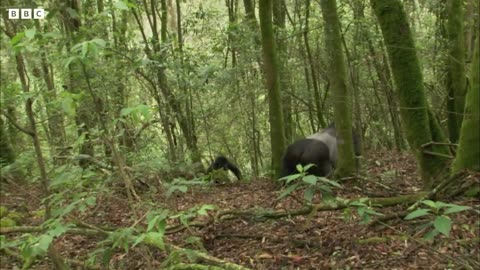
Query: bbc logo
(26, 13)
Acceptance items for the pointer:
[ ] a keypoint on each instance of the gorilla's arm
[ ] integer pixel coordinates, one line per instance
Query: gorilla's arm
(234, 170)
(219, 162)
(222, 162)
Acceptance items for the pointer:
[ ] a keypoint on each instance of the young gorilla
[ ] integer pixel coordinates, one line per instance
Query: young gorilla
(222, 162)
(319, 149)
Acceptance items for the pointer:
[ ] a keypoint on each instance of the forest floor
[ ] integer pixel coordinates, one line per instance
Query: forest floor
(324, 240)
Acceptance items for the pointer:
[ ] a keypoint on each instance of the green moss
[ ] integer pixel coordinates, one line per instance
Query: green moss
(408, 80)
(3, 211)
(271, 66)
(39, 213)
(341, 95)
(7, 222)
(468, 154)
(17, 217)
(456, 66)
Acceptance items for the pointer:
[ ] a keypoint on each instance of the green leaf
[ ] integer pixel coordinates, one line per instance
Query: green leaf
(442, 204)
(58, 230)
(330, 182)
(120, 5)
(139, 239)
(156, 239)
(361, 211)
(299, 168)
(43, 243)
(17, 38)
(430, 235)
(145, 111)
(68, 61)
(357, 203)
(107, 256)
(99, 42)
(203, 211)
(30, 33)
(84, 49)
(290, 178)
(52, 35)
(288, 190)
(174, 188)
(90, 201)
(370, 211)
(443, 224)
(310, 179)
(308, 195)
(430, 203)
(456, 208)
(306, 168)
(153, 222)
(126, 111)
(417, 213)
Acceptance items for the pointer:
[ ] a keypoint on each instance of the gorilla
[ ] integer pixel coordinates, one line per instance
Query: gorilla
(319, 149)
(221, 162)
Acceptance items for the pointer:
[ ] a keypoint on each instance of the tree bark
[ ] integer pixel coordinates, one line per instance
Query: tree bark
(456, 83)
(468, 154)
(277, 135)
(341, 97)
(7, 156)
(83, 117)
(316, 90)
(409, 83)
(279, 14)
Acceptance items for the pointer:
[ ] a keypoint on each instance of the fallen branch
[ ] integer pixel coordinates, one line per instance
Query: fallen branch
(30, 229)
(79, 263)
(210, 259)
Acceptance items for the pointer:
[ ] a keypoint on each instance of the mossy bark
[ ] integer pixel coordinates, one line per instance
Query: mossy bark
(341, 95)
(456, 83)
(408, 80)
(277, 134)
(468, 154)
(6, 152)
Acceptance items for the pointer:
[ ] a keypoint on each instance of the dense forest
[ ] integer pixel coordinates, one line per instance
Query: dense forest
(240, 134)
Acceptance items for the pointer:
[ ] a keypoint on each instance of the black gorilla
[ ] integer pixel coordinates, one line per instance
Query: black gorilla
(319, 149)
(222, 162)
(304, 152)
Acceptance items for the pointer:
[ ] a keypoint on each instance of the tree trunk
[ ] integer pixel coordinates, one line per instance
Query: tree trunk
(409, 83)
(468, 154)
(341, 97)
(83, 117)
(316, 90)
(383, 74)
(456, 83)
(56, 127)
(279, 13)
(7, 155)
(277, 135)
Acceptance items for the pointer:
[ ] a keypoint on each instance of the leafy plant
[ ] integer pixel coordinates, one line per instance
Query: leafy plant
(181, 184)
(309, 183)
(364, 210)
(438, 214)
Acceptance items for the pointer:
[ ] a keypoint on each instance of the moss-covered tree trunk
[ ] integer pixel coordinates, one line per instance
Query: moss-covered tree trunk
(456, 67)
(313, 70)
(271, 66)
(6, 152)
(468, 154)
(409, 85)
(84, 118)
(279, 14)
(341, 96)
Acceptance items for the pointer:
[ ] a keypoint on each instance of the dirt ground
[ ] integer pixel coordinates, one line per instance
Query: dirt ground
(324, 240)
